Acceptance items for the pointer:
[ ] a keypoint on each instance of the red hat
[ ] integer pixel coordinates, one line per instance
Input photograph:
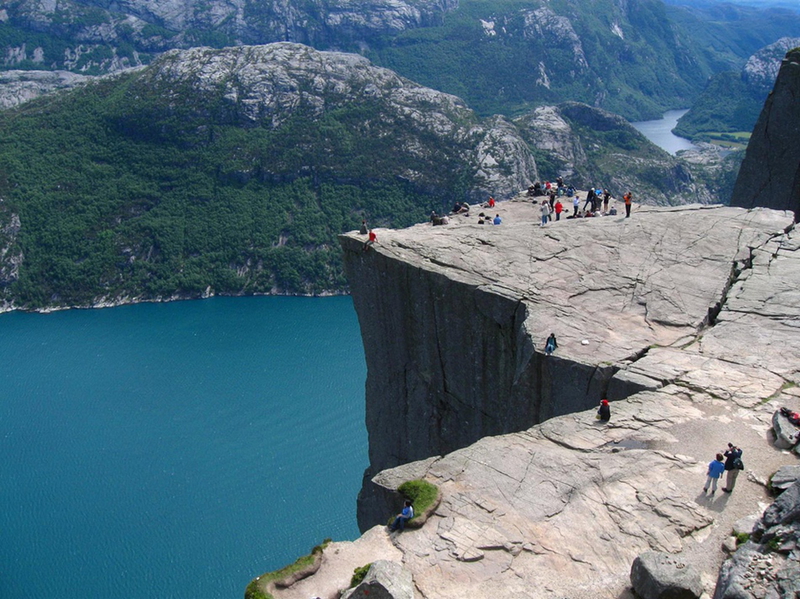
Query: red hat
(604, 402)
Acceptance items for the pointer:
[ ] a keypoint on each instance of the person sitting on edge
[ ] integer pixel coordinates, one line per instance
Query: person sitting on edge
(491, 202)
(373, 238)
(550, 345)
(497, 220)
(363, 230)
(403, 517)
(604, 411)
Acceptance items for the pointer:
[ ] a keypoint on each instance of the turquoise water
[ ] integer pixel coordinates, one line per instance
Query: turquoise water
(176, 450)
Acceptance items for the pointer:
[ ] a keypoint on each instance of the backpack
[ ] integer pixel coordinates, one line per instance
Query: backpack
(738, 464)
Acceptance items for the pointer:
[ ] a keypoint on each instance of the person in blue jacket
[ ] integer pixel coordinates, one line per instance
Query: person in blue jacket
(403, 517)
(715, 470)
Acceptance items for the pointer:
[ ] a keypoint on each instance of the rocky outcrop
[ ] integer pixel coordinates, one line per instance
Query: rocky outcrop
(656, 575)
(268, 85)
(770, 173)
(453, 319)
(768, 565)
(17, 87)
(564, 507)
(385, 580)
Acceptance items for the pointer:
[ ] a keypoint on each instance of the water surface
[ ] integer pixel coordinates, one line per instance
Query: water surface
(660, 132)
(176, 450)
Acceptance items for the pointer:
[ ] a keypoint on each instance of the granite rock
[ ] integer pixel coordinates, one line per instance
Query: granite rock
(656, 575)
(385, 580)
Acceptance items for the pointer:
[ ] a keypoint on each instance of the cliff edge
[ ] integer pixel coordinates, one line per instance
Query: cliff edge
(688, 316)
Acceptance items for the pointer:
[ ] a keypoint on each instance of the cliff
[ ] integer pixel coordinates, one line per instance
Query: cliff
(686, 317)
(770, 173)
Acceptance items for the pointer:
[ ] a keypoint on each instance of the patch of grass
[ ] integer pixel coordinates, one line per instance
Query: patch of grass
(257, 587)
(786, 385)
(742, 538)
(421, 493)
(359, 574)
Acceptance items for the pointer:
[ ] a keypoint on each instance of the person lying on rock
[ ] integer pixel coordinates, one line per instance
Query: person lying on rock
(403, 517)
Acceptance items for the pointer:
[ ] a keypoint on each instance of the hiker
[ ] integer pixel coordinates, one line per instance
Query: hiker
(575, 204)
(604, 411)
(497, 220)
(490, 203)
(545, 213)
(606, 197)
(715, 469)
(373, 238)
(559, 208)
(589, 200)
(403, 517)
(628, 197)
(550, 345)
(363, 230)
(733, 464)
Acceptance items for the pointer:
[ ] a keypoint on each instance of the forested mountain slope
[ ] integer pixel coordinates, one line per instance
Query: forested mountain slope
(230, 170)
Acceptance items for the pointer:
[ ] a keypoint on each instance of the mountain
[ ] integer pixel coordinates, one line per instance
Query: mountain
(633, 57)
(232, 171)
(732, 100)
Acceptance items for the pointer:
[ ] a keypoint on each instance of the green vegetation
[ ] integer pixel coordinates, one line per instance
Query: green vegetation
(257, 587)
(742, 538)
(359, 574)
(421, 493)
(127, 189)
(727, 106)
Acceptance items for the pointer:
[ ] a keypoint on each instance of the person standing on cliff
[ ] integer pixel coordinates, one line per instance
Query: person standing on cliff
(733, 464)
(575, 203)
(628, 197)
(559, 208)
(715, 469)
(545, 213)
(403, 517)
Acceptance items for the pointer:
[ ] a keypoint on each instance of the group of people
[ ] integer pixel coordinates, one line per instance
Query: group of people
(729, 461)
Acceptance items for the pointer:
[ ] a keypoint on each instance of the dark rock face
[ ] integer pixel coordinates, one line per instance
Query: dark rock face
(769, 564)
(770, 173)
(656, 575)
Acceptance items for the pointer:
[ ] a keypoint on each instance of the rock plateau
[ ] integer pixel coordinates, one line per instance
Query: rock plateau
(686, 316)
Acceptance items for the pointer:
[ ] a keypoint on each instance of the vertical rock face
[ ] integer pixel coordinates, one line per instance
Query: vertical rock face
(770, 173)
(453, 318)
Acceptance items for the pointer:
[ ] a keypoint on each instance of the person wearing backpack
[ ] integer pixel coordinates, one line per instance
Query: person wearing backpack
(733, 464)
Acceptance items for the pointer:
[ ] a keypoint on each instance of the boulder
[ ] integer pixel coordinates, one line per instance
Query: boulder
(656, 575)
(785, 431)
(385, 580)
(785, 477)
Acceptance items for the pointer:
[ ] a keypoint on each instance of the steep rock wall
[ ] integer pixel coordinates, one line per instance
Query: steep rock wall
(770, 173)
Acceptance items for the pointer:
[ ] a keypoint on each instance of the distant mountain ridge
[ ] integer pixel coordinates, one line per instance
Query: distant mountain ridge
(636, 58)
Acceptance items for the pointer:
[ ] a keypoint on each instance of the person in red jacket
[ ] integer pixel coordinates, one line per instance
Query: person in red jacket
(373, 238)
(559, 209)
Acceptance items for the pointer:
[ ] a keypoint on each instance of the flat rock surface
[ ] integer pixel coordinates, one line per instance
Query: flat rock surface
(562, 509)
(619, 284)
